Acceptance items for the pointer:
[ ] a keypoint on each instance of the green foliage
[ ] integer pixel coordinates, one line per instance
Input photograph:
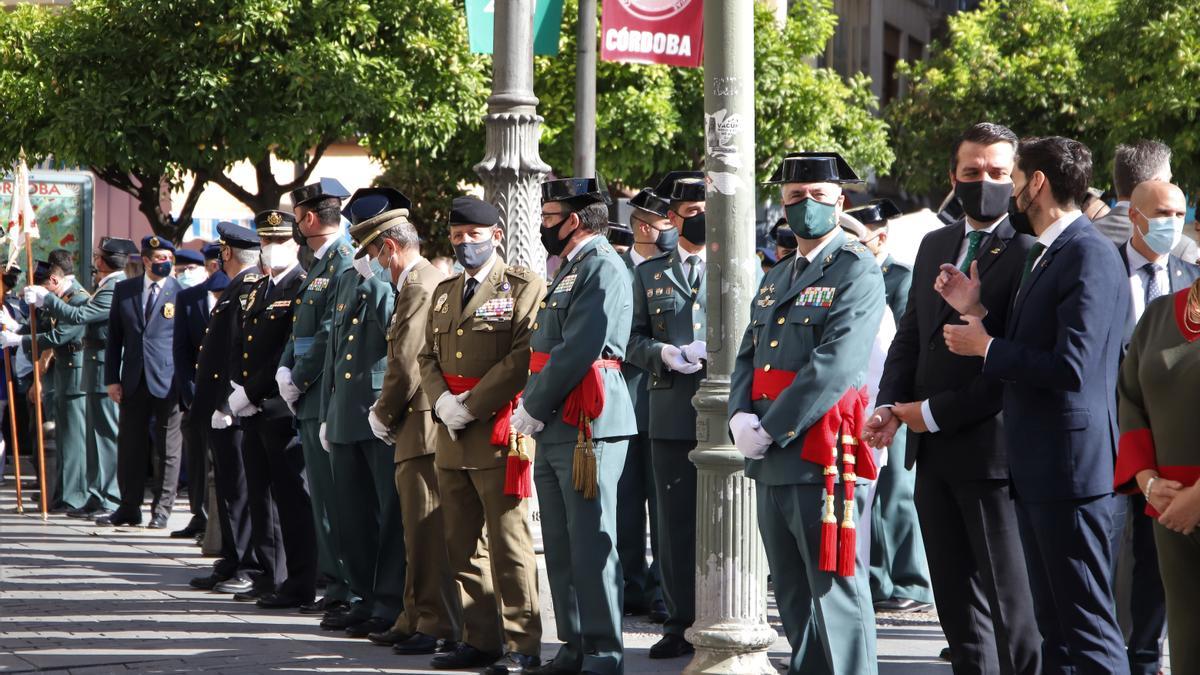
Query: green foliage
(23, 112)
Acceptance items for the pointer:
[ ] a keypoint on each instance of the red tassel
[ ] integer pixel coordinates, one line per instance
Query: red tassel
(827, 558)
(518, 479)
(847, 550)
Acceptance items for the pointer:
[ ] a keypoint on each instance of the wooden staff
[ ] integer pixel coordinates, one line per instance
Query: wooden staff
(37, 387)
(12, 414)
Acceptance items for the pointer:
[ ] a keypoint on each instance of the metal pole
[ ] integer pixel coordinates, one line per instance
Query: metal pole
(585, 91)
(512, 168)
(12, 412)
(731, 633)
(37, 387)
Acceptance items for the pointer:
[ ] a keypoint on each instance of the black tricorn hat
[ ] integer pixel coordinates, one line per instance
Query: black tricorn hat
(875, 213)
(576, 192)
(370, 202)
(688, 190)
(41, 271)
(782, 234)
(619, 235)
(814, 167)
(118, 246)
(323, 188)
(666, 187)
(646, 200)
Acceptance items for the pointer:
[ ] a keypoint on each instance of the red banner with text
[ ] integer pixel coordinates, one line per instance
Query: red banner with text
(669, 32)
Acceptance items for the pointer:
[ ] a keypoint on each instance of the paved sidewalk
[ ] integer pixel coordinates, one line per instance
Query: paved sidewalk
(81, 599)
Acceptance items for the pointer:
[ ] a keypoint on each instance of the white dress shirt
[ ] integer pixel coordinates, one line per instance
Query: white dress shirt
(636, 257)
(320, 253)
(1137, 278)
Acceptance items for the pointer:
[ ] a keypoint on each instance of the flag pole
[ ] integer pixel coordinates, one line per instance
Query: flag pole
(37, 388)
(12, 415)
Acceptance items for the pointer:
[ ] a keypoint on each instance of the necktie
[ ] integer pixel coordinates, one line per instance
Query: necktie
(150, 301)
(798, 267)
(1152, 288)
(469, 292)
(1030, 259)
(972, 250)
(693, 262)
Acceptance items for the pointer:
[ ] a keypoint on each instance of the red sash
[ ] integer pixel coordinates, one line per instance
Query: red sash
(500, 427)
(518, 480)
(586, 400)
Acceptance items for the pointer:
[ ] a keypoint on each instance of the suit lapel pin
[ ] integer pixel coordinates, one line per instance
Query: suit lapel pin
(995, 250)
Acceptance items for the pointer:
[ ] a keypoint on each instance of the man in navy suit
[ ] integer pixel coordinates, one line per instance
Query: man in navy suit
(1057, 355)
(139, 372)
(1157, 211)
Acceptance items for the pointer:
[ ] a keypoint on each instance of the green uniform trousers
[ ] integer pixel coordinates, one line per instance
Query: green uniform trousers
(70, 438)
(370, 533)
(430, 604)
(898, 566)
(1178, 562)
(497, 579)
(675, 488)
(320, 489)
(581, 556)
(102, 452)
(636, 496)
(828, 619)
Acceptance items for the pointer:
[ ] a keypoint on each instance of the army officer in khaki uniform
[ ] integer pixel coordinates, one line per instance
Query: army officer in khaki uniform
(475, 362)
(401, 417)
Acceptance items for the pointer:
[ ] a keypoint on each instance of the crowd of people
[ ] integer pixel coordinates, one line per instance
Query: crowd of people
(983, 430)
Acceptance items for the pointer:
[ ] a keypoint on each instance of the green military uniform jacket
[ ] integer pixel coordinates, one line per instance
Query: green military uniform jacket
(635, 377)
(666, 310)
(66, 339)
(586, 316)
(822, 328)
(355, 353)
(897, 280)
(93, 316)
(305, 352)
(487, 339)
(403, 405)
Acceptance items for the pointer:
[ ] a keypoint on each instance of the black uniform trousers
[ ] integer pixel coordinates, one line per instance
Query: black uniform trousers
(634, 491)
(977, 566)
(138, 409)
(278, 491)
(196, 454)
(233, 507)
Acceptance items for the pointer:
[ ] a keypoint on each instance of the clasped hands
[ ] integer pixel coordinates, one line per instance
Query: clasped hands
(880, 429)
(962, 293)
(451, 410)
(686, 359)
(1178, 506)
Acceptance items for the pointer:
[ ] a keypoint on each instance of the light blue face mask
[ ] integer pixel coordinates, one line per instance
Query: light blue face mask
(1162, 234)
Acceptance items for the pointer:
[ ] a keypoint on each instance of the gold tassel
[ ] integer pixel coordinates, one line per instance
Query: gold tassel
(584, 475)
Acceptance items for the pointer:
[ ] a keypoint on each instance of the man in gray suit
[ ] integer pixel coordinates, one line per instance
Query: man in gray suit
(1135, 164)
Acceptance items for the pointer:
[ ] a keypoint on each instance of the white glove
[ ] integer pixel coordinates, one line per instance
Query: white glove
(239, 403)
(10, 339)
(378, 427)
(7, 322)
(441, 407)
(35, 295)
(524, 423)
(287, 387)
(220, 420)
(324, 440)
(673, 358)
(749, 436)
(453, 413)
(692, 353)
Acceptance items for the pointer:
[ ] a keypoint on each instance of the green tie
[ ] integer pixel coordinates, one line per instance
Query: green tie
(1030, 259)
(972, 248)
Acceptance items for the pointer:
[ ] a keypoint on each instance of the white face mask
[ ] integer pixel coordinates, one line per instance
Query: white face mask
(278, 256)
(192, 277)
(363, 267)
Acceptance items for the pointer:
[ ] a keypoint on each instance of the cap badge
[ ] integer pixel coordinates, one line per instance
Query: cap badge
(274, 219)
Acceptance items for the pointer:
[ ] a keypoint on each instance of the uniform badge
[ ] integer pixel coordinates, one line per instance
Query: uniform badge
(649, 292)
(440, 305)
(169, 310)
(567, 283)
(657, 276)
(319, 284)
(505, 287)
(995, 250)
(244, 300)
(274, 219)
(658, 291)
(816, 296)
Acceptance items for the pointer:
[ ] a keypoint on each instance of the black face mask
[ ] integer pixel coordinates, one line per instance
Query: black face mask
(554, 245)
(693, 229)
(1019, 219)
(984, 201)
(667, 240)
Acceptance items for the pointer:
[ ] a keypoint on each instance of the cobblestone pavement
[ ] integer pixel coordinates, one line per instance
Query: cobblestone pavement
(81, 599)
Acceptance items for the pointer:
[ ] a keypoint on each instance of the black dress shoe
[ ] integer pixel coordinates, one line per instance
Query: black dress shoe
(189, 532)
(252, 595)
(420, 643)
(102, 513)
(157, 523)
(658, 612)
(551, 668)
(671, 646)
(514, 662)
(945, 654)
(324, 606)
(343, 620)
(901, 605)
(362, 629)
(207, 583)
(115, 519)
(85, 511)
(463, 656)
(388, 637)
(238, 584)
(279, 601)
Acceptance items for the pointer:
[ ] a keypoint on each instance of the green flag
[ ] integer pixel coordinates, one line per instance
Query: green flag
(547, 18)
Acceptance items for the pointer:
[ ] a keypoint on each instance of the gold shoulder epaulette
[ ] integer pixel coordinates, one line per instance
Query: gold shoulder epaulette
(251, 277)
(522, 273)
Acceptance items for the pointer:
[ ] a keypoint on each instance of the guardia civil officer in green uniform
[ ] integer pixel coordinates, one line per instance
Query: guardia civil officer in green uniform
(812, 326)
(669, 301)
(899, 572)
(70, 399)
(317, 208)
(577, 407)
(109, 261)
(370, 532)
(653, 236)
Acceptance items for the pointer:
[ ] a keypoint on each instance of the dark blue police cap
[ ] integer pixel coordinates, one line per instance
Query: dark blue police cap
(370, 202)
(323, 188)
(211, 251)
(274, 223)
(156, 242)
(236, 236)
(218, 282)
(189, 256)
